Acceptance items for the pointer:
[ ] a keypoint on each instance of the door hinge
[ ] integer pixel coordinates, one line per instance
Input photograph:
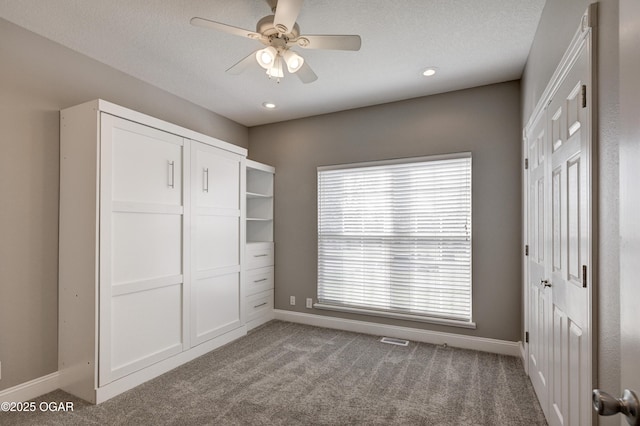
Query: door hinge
(526, 250)
(526, 337)
(584, 276)
(584, 96)
(526, 163)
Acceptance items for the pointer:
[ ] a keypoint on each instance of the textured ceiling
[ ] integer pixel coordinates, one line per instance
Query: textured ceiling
(471, 42)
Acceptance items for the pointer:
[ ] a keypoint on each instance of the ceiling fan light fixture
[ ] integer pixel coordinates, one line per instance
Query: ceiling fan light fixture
(266, 57)
(293, 60)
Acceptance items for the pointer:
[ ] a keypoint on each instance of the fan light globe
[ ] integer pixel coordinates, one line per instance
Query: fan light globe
(266, 56)
(293, 60)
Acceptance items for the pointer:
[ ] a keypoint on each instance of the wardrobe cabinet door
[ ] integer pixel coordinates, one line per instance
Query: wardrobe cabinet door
(146, 165)
(216, 229)
(141, 240)
(216, 179)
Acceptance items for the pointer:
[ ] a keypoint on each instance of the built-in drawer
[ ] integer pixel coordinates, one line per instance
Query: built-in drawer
(259, 255)
(259, 280)
(260, 304)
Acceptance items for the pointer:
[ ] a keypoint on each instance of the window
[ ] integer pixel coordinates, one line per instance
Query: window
(394, 238)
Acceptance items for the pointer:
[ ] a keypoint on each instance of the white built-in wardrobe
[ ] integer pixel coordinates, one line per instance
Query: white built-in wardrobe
(152, 238)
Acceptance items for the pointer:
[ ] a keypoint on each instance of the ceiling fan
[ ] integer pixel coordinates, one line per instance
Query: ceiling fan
(279, 33)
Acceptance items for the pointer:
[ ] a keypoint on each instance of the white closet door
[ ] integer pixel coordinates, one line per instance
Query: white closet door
(216, 235)
(539, 248)
(141, 234)
(570, 187)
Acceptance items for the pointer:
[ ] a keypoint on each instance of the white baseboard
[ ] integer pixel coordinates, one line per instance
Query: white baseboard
(31, 389)
(415, 334)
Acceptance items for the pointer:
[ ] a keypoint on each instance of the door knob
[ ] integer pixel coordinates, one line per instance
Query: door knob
(545, 283)
(606, 405)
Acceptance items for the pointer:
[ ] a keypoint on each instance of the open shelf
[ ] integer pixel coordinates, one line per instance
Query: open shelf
(259, 197)
(251, 195)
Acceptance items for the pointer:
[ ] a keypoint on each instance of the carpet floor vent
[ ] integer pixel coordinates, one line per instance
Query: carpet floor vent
(394, 341)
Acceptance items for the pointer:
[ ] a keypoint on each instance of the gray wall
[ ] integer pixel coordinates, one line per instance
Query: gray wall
(483, 120)
(37, 79)
(560, 20)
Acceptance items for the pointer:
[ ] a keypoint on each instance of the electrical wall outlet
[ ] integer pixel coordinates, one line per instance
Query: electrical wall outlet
(309, 303)
(292, 300)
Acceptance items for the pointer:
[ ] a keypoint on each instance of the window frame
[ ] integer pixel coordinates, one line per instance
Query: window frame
(464, 323)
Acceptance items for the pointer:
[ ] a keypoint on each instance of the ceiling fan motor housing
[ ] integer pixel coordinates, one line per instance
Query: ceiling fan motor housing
(266, 27)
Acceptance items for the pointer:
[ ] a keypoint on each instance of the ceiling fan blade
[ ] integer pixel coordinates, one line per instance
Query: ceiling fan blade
(286, 14)
(306, 74)
(206, 23)
(272, 4)
(243, 64)
(331, 42)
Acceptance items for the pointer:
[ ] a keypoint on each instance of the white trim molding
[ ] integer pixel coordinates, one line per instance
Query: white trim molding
(31, 389)
(582, 35)
(483, 344)
(385, 314)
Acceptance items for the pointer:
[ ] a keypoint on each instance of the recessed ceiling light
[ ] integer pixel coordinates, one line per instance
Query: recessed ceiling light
(429, 72)
(269, 105)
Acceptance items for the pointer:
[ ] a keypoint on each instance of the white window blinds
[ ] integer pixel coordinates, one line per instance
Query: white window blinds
(396, 236)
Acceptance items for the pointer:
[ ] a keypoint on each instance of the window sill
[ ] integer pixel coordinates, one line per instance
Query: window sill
(394, 315)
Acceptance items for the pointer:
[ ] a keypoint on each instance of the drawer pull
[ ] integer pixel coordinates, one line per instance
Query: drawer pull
(260, 280)
(260, 255)
(262, 304)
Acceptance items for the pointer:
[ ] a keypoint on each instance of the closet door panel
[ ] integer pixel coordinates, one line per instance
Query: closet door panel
(217, 180)
(215, 236)
(146, 328)
(218, 241)
(145, 246)
(141, 247)
(217, 304)
(147, 165)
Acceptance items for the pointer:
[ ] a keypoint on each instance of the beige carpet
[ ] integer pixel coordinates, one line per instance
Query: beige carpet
(291, 374)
